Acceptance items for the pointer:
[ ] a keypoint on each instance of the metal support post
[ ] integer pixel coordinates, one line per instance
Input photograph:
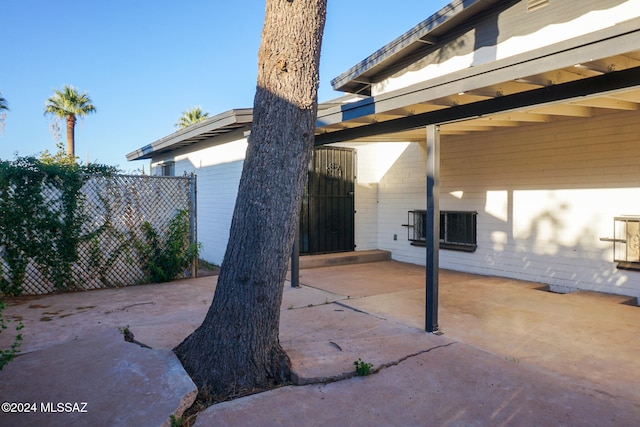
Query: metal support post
(295, 257)
(193, 218)
(432, 227)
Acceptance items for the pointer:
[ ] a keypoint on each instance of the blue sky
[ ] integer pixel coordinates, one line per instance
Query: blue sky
(144, 62)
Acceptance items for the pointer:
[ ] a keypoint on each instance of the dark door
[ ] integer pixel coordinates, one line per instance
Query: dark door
(327, 216)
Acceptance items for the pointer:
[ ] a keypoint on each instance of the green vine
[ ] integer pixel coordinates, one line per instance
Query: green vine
(44, 224)
(41, 218)
(7, 356)
(106, 245)
(163, 259)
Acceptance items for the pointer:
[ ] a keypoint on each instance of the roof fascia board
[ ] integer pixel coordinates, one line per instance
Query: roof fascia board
(417, 34)
(607, 42)
(219, 121)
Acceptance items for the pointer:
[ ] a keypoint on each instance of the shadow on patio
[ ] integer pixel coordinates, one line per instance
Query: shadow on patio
(585, 336)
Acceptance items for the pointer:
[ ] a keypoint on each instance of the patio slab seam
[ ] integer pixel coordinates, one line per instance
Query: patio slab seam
(298, 380)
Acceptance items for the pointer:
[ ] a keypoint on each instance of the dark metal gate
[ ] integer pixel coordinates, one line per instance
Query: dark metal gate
(327, 216)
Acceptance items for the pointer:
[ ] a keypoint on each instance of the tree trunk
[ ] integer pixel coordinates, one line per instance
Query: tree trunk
(236, 349)
(71, 140)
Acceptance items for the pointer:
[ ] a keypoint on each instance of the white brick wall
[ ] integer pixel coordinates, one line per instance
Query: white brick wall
(544, 193)
(402, 188)
(218, 171)
(374, 161)
(366, 195)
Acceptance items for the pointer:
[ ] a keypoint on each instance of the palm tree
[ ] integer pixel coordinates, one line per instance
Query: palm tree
(4, 106)
(191, 116)
(3, 103)
(68, 104)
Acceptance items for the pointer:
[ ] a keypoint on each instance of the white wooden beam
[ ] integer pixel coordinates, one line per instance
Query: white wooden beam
(462, 126)
(631, 96)
(505, 88)
(460, 99)
(613, 104)
(523, 117)
(564, 110)
(553, 77)
(490, 121)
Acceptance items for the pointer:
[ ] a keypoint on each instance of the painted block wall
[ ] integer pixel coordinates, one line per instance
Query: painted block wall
(544, 193)
(402, 188)
(218, 169)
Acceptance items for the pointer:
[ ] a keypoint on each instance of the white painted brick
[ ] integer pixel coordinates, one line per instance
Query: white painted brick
(588, 171)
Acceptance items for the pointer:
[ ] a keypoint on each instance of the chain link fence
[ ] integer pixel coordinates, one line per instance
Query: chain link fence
(114, 209)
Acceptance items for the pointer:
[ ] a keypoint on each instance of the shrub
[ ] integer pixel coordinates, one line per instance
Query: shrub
(163, 259)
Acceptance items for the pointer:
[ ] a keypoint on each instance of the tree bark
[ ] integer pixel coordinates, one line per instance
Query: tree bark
(71, 139)
(236, 349)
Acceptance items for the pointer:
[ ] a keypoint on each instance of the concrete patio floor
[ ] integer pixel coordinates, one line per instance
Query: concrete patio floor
(586, 336)
(510, 354)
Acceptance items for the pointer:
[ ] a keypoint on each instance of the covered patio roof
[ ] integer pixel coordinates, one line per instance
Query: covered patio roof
(572, 78)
